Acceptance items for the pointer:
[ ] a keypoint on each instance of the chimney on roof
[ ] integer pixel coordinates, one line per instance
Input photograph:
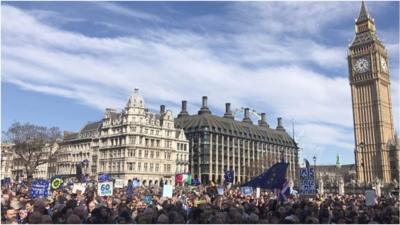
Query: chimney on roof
(263, 121)
(280, 126)
(204, 108)
(228, 113)
(247, 116)
(162, 109)
(183, 110)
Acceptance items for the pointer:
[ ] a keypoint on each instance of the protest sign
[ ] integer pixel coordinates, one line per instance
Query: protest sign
(246, 190)
(370, 197)
(148, 199)
(307, 181)
(56, 183)
(119, 183)
(105, 188)
(135, 183)
(258, 192)
(167, 191)
(79, 187)
(40, 188)
(220, 191)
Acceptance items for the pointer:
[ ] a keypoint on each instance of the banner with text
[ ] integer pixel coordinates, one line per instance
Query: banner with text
(307, 181)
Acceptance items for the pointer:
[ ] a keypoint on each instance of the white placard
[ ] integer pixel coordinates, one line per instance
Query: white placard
(370, 196)
(105, 188)
(258, 192)
(79, 186)
(119, 183)
(167, 191)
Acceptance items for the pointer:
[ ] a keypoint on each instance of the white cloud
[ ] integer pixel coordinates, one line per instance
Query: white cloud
(171, 65)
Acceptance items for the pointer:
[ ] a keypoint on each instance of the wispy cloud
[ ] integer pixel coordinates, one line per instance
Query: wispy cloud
(123, 11)
(254, 65)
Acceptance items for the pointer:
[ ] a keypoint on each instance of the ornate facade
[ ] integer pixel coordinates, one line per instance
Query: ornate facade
(222, 143)
(372, 108)
(79, 149)
(6, 160)
(137, 143)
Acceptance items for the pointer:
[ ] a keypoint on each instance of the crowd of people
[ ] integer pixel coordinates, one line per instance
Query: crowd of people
(189, 205)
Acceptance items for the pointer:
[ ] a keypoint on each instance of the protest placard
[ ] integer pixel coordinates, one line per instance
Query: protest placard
(40, 188)
(119, 183)
(105, 188)
(167, 191)
(148, 199)
(246, 190)
(220, 190)
(307, 181)
(258, 192)
(370, 197)
(79, 187)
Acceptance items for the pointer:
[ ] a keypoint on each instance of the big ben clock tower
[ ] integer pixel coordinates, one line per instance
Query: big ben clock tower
(372, 108)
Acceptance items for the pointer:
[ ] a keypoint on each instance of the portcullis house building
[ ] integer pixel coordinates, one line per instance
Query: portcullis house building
(222, 143)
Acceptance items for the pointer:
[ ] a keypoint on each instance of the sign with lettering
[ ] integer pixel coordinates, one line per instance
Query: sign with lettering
(148, 199)
(40, 188)
(246, 190)
(119, 183)
(307, 181)
(105, 188)
(220, 190)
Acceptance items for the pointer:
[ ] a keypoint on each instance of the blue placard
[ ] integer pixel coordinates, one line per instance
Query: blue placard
(40, 188)
(148, 199)
(246, 190)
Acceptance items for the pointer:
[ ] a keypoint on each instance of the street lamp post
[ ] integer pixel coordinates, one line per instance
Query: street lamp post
(315, 172)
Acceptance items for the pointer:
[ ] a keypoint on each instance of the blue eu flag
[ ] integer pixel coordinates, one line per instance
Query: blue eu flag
(274, 177)
(229, 175)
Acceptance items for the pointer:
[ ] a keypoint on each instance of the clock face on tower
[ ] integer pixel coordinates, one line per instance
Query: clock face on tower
(362, 65)
(384, 65)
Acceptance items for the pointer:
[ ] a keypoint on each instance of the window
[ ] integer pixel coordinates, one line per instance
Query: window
(157, 167)
(130, 166)
(146, 153)
(152, 154)
(140, 153)
(139, 166)
(157, 154)
(158, 143)
(145, 167)
(134, 165)
(151, 167)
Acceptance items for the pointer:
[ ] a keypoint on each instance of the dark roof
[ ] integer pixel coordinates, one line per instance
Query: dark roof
(114, 115)
(363, 16)
(364, 38)
(233, 127)
(70, 136)
(92, 126)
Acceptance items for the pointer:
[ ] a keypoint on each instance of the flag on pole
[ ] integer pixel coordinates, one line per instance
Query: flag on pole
(187, 178)
(283, 192)
(179, 178)
(274, 177)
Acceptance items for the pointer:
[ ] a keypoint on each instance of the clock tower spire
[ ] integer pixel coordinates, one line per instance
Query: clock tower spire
(372, 108)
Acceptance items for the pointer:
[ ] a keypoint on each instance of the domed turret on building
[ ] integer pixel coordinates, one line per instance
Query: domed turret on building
(136, 100)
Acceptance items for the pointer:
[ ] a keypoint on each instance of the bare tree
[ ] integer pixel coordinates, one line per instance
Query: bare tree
(29, 143)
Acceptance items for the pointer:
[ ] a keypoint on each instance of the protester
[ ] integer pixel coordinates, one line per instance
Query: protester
(188, 204)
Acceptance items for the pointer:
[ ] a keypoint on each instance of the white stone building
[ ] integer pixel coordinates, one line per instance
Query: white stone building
(136, 143)
(6, 160)
(79, 148)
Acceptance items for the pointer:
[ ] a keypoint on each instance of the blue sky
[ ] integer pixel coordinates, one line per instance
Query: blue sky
(63, 63)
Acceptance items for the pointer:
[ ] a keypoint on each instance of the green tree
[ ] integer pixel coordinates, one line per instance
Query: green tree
(29, 144)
